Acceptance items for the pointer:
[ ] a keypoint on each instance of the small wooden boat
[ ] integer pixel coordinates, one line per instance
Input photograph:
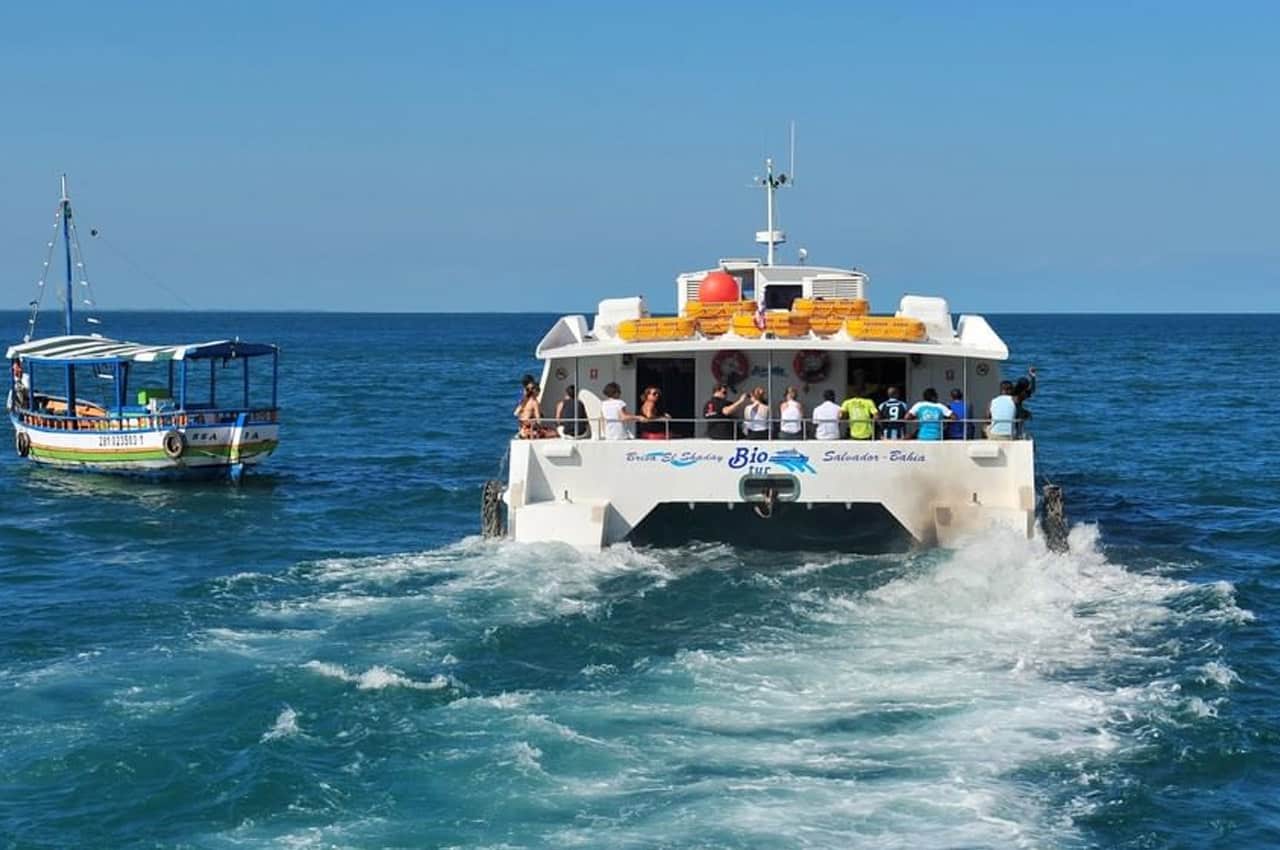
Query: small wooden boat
(103, 405)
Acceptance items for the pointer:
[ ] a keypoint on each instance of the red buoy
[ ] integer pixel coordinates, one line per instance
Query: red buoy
(718, 287)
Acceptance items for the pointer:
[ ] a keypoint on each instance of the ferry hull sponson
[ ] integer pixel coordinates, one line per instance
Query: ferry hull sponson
(593, 493)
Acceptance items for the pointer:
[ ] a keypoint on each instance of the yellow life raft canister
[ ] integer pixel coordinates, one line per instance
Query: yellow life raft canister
(780, 323)
(667, 327)
(886, 328)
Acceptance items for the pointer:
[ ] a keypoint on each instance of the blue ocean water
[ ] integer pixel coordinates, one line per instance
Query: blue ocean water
(327, 656)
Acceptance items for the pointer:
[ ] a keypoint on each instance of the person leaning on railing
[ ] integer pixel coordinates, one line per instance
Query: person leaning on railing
(571, 415)
(614, 415)
(756, 416)
(791, 415)
(893, 414)
(1002, 414)
(826, 417)
(861, 412)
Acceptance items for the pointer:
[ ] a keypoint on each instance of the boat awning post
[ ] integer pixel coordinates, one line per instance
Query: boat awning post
(213, 383)
(170, 379)
(967, 407)
(275, 377)
(182, 386)
(118, 376)
(71, 390)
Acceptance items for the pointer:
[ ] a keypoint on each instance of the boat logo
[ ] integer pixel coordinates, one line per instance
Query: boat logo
(759, 460)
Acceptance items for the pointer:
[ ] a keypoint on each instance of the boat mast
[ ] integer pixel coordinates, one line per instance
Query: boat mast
(66, 241)
(771, 184)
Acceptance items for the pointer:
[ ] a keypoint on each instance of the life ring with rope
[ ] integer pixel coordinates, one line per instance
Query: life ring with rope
(729, 367)
(811, 366)
(174, 444)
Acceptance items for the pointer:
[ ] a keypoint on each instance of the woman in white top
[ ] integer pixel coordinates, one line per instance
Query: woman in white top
(613, 410)
(756, 416)
(791, 414)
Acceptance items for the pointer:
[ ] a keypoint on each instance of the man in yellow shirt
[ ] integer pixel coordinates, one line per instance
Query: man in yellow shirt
(861, 413)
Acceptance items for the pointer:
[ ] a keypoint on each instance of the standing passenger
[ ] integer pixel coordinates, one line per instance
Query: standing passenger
(893, 411)
(1023, 389)
(791, 414)
(1002, 413)
(756, 416)
(719, 413)
(571, 414)
(861, 413)
(653, 424)
(930, 414)
(959, 428)
(613, 410)
(826, 417)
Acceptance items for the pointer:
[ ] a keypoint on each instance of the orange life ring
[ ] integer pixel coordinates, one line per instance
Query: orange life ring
(811, 366)
(730, 367)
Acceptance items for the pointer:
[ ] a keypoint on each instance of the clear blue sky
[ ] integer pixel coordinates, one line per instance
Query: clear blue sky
(539, 156)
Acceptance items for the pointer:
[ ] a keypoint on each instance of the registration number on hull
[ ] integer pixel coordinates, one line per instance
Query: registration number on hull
(108, 441)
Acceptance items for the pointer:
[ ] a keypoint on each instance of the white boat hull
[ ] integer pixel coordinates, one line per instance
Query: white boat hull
(593, 493)
(208, 449)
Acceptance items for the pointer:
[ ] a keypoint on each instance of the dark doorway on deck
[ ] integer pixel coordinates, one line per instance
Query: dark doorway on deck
(879, 373)
(675, 377)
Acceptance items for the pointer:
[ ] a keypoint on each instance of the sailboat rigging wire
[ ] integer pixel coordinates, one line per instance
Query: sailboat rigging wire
(146, 275)
(44, 277)
(82, 275)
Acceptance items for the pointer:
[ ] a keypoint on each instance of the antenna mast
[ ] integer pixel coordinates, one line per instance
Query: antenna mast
(771, 182)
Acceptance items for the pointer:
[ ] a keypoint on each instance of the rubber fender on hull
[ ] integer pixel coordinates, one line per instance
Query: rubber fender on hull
(174, 444)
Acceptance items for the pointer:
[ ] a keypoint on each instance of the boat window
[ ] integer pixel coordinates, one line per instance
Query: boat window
(778, 296)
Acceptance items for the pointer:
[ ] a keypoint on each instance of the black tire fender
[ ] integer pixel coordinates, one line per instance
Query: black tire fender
(22, 443)
(174, 444)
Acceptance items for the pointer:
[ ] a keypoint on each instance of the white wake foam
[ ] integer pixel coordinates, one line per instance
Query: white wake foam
(908, 715)
(286, 726)
(377, 678)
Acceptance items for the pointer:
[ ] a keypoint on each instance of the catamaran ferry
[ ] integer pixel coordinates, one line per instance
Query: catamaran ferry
(638, 452)
(185, 410)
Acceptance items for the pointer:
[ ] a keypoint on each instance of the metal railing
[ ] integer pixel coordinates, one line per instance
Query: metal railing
(111, 421)
(950, 430)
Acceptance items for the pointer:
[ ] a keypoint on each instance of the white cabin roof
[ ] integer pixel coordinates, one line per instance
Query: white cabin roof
(973, 338)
